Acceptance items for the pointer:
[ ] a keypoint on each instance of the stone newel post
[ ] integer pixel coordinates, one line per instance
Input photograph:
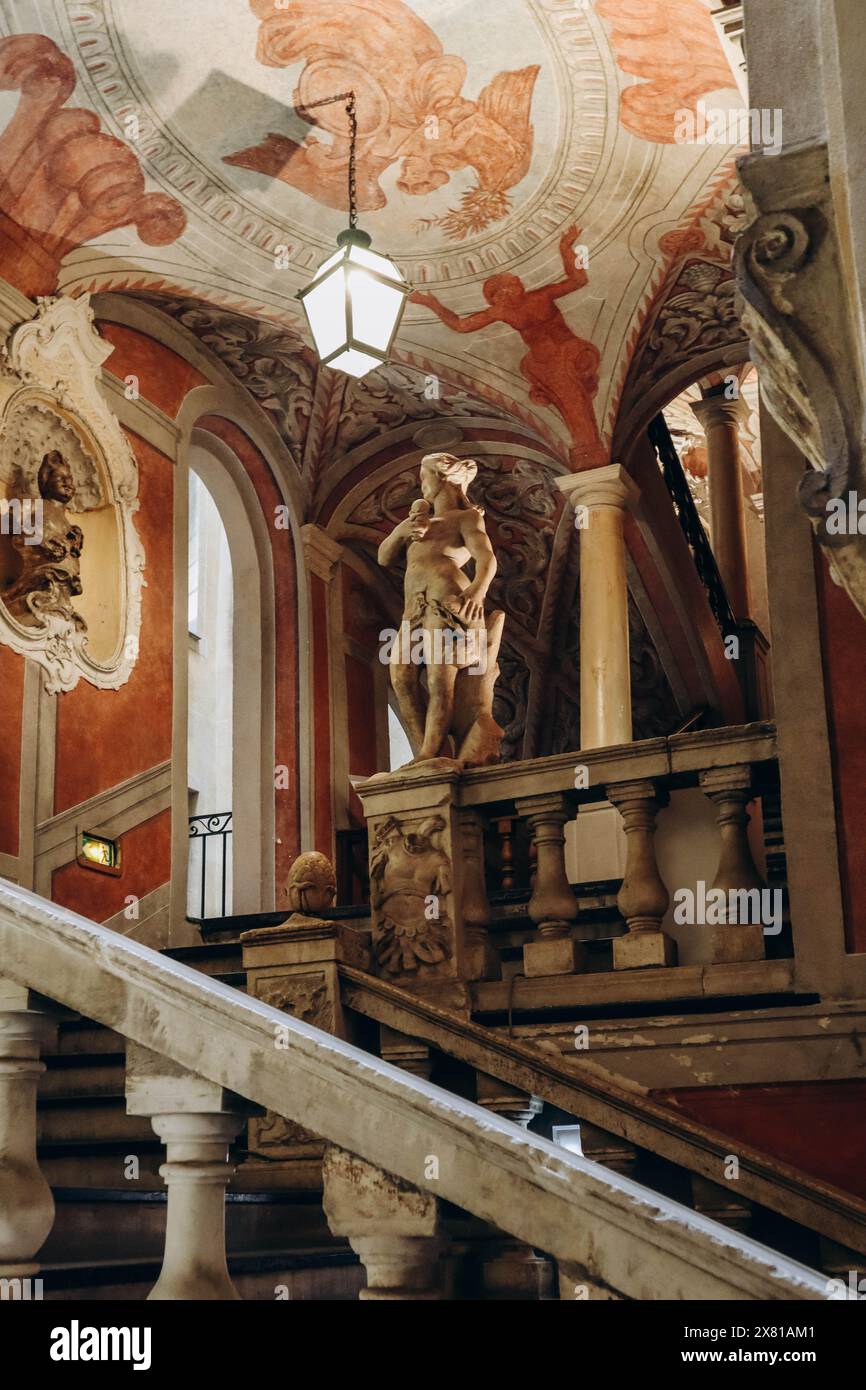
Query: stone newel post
(601, 497)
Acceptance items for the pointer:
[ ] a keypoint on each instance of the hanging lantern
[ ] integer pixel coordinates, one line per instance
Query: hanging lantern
(356, 298)
(354, 304)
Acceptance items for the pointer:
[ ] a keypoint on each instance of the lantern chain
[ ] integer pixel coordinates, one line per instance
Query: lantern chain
(349, 99)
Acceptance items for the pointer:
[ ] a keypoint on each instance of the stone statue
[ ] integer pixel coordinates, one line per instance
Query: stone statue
(444, 625)
(409, 877)
(50, 569)
(312, 887)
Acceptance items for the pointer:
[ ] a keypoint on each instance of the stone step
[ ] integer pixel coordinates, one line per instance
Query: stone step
(321, 1275)
(89, 1077)
(93, 1226)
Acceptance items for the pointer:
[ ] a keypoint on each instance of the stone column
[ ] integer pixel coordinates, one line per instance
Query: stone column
(643, 898)
(26, 1202)
(730, 790)
(600, 497)
(393, 1227)
(329, 768)
(196, 1120)
(720, 419)
(553, 905)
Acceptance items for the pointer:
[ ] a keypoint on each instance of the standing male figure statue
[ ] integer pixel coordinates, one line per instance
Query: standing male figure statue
(454, 716)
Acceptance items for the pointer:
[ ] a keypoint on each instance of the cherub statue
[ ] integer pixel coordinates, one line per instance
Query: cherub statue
(312, 887)
(50, 570)
(444, 530)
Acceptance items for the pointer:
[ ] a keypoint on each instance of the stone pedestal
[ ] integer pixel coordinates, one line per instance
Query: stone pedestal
(294, 967)
(427, 894)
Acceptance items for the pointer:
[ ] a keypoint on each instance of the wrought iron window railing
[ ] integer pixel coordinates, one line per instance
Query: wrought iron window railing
(210, 875)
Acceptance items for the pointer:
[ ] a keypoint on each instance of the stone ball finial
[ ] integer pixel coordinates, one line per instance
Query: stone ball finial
(312, 884)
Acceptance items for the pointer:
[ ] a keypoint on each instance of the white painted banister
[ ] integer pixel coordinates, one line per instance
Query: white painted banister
(624, 1237)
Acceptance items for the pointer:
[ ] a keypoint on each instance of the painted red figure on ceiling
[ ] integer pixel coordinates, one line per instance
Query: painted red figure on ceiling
(63, 181)
(409, 107)
(562, 369)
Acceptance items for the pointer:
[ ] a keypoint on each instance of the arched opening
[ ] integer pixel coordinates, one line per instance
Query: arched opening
(230, 689)
(210, 676)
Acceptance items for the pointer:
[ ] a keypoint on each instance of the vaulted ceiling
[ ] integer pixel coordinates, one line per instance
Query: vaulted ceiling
(156, 148)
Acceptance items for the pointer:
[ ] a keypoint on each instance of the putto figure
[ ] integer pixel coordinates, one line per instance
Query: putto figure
(454, 717)
(50, 570)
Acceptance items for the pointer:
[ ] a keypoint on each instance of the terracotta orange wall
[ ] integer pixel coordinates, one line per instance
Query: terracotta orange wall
(286, 734)
(106, 736)
(164, 378)
(843, 636)
(817, 1126)
(11, 716)
(145, 852)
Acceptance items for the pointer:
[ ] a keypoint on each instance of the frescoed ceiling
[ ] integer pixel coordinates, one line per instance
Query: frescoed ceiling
(520, 159)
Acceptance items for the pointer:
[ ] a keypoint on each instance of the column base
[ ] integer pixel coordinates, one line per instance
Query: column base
(642, 950)
(737, 941)
(557, 956)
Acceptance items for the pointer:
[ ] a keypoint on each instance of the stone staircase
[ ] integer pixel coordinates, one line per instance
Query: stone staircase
(103, 1165)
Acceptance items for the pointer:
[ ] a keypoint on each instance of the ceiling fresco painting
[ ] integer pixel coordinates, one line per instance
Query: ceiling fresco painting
(153, 148)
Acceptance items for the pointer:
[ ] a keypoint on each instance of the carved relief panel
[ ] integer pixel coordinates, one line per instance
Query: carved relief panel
(71, 562)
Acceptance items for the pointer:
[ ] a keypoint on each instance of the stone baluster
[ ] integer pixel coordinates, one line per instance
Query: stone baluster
(409, 1054)
(393, 1227)
(505, 828)
(26, 1202)
(196, 1120)
(553, 905)
(643, 898)
(732, 939)
(480, 959)
(510, 1269)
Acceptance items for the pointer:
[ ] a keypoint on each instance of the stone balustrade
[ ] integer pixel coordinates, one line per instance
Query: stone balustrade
(222, 1052)
(534, 804)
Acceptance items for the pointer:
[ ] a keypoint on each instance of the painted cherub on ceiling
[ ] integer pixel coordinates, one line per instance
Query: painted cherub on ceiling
(560, 367)
(403, 81)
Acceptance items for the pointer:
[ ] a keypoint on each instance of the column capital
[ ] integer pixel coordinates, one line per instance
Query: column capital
(610, 486)
(321, 553)
(720, 410)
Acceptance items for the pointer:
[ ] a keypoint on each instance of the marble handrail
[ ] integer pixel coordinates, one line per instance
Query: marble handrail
(624, 1237)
